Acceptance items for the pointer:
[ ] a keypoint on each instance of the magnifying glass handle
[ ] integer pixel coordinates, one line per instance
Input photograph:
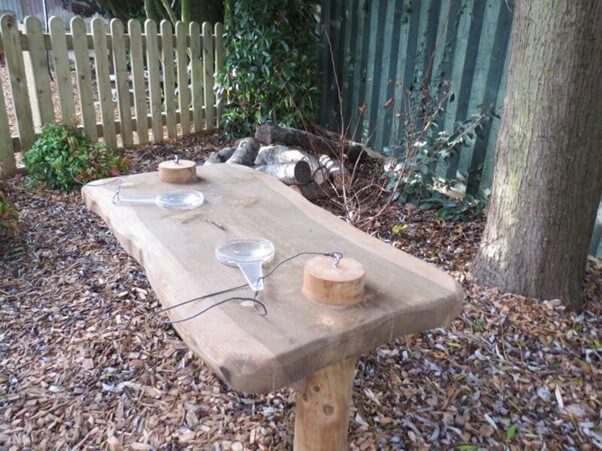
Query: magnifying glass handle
(137, 200)
(253, 274)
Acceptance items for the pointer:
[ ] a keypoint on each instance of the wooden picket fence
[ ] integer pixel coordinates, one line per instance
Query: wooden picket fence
(140, 81)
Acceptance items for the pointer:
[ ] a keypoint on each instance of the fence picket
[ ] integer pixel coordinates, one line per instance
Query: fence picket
(191, 77)
(323, 54)
(373, 50)
(137, 62)
(208, 71)
(154, 78)
(489, 163)
(346, 79)
(121, 82)
(456, 111)
(40, 77)
(196, 75)
(219, 66)
(358, 101)
(11, 42)
(8, 165)
(476, 92)
(84, 77)
(169, 82)
(491, 53)
(183, 87)
(103, 81)
(379, 112)
(62, 70)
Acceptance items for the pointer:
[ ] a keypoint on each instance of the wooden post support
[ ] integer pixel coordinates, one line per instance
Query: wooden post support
(324, 398)
(177, 171)
(323, 408)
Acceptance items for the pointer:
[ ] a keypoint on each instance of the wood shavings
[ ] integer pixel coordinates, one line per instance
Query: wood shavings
(85, 360)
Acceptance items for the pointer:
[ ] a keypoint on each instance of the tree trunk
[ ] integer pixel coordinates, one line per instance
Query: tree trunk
(548, 174)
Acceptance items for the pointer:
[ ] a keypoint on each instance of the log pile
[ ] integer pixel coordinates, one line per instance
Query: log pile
(308, 162)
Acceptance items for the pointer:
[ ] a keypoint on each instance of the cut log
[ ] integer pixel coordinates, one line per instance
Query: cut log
(298, 173)
(225, 153)
(278, 154)
(333, 169)
(177, 171)
(334, 283)
(270, 133)
(221, 156)
(336, 136)
(213, 158)
(245, 152)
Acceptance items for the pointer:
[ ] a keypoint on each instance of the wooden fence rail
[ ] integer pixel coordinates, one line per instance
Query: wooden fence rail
(114, 85)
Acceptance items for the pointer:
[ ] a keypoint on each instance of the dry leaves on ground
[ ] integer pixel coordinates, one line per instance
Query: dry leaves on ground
(86, 362)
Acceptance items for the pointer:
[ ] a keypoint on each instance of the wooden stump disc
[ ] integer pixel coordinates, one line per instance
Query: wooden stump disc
(183, 171)
(326, 283)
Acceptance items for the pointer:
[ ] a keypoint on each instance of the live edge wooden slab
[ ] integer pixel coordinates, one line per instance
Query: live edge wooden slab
(298, 339)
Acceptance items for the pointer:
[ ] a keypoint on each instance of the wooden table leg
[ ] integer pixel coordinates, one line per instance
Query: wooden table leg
(323, 408)
(324, 398)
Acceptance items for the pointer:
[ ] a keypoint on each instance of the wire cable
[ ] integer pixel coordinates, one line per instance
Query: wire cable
(336, 258)
(335, 255)
(199, 298)
(256, 302)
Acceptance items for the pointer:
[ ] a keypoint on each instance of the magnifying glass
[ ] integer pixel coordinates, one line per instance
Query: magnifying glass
(248, 255)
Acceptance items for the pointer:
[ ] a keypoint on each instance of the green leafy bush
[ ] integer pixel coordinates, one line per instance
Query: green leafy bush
(62, 158)
(411, 168)
(450, 209)
(270, 70)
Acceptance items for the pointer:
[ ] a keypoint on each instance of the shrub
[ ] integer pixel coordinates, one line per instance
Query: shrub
(62, 158)
(412, 165)
(270, 71)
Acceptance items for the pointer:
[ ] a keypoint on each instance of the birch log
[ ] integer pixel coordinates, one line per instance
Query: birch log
(279, 154)
(298, 173)
(270, 133)
(245, 152)
(221, 156)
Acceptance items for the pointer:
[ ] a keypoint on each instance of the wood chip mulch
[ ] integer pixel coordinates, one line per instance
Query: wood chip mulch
(86, 362)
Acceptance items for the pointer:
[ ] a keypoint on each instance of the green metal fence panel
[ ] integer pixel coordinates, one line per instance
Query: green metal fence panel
(380, 50)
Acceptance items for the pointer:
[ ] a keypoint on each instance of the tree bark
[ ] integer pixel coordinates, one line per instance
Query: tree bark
(548, 176)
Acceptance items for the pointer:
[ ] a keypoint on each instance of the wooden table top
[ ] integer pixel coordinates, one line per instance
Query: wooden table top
(255, 353)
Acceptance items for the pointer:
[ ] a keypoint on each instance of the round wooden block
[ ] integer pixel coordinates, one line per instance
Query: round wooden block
(181, 171)
(326, 283)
